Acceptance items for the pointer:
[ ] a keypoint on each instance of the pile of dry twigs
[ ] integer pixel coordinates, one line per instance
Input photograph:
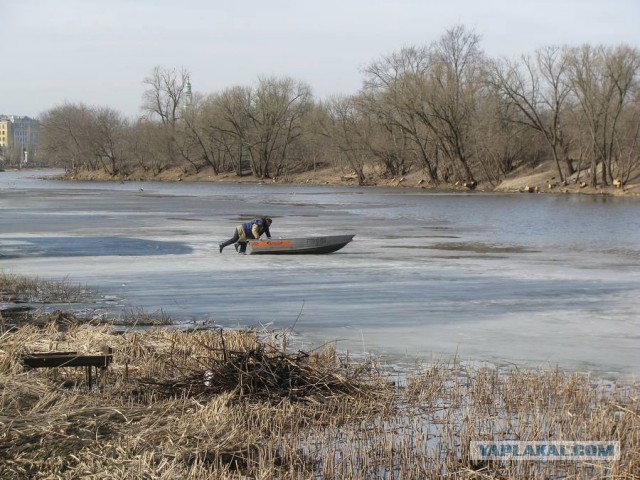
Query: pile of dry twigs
(263, 372)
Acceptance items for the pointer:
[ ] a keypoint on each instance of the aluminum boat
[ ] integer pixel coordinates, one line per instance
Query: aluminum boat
(292, 246)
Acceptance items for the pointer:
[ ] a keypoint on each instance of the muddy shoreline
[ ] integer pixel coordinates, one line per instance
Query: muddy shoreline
(537, 181)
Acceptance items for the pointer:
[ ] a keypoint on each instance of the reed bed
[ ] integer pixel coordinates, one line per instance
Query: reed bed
(22, 289)
(239, 404)
(24, 298)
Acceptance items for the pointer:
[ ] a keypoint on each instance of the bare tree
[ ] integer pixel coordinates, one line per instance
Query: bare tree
(275, 115)
(393, 91)
(628, 142)
(502, 146)
(538, 87)
(230, 126)
(390, 146)
(107, 139)
(64, 137)
(603, 81)
(78, 136)
(314, 150)
(165, 96)
(197, 141)
(141, 144)
(430, 93)
(165, 100)
(442, 108)
(453, 90)
(347, 128)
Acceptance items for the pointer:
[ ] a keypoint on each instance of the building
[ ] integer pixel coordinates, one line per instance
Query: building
(5, 131)
(19, 138)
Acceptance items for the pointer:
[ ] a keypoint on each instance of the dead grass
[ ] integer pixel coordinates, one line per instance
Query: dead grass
(20, 289)
(140, 318)
(230, 404)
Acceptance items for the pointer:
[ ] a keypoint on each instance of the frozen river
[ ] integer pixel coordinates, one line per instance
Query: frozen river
(529, 279)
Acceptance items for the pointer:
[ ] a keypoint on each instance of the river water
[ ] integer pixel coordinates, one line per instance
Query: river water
(535, 280)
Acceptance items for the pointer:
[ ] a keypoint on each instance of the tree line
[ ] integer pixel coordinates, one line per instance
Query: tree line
(445, 109)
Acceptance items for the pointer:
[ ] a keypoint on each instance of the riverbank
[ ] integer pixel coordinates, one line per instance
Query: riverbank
(543, 179)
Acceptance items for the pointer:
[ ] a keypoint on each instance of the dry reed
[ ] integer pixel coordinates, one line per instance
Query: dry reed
(21, 289)
(231, 404)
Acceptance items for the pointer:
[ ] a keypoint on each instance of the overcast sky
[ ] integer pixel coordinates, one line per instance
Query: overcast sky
(98, 51)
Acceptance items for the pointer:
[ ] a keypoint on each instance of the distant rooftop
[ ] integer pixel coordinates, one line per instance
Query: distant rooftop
(13, 118)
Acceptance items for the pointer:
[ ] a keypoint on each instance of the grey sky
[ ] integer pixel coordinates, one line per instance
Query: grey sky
(98, 52)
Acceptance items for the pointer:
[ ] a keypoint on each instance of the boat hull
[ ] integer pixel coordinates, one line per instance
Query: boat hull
(298, 246)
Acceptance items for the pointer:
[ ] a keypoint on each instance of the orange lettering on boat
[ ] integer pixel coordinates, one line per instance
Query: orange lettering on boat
(267, 243)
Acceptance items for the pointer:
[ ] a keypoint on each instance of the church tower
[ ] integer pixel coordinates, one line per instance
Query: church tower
(188, 95)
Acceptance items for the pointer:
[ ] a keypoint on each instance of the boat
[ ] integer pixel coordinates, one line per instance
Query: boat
(293, 246)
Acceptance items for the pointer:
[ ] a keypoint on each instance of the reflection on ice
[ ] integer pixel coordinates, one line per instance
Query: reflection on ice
(477, 247)
(18, 247)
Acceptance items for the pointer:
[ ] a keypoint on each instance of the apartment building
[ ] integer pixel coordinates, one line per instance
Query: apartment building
(18, 137)
(5, 131)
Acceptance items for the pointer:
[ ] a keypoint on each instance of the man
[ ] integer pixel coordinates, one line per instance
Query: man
(248, 231)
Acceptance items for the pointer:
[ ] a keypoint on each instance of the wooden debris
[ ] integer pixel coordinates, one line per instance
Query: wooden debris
(70, 359)
(262, 373)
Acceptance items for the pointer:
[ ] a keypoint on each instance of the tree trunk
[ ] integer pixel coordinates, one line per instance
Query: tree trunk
(557, 160)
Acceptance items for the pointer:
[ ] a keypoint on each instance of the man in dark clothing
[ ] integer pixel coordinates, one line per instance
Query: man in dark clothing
(248, 231)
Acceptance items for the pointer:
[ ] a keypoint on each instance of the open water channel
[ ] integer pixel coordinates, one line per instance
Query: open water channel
(528, 279)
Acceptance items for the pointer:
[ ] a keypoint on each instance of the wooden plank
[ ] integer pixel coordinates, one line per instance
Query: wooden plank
(67, 359)
(61, 360)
